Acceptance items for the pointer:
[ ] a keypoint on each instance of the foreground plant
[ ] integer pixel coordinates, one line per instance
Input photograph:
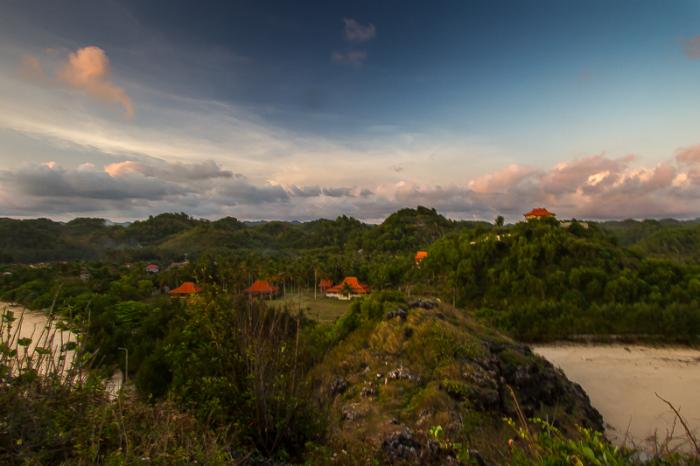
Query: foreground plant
(54, 412)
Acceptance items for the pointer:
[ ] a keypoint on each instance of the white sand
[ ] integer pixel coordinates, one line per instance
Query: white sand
(33, 324)
(621, 381)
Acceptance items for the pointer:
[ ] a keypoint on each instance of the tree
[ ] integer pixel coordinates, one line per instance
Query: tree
(499, 221)
(347, 290)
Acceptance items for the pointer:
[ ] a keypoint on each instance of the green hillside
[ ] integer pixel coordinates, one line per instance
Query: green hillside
(539, 280)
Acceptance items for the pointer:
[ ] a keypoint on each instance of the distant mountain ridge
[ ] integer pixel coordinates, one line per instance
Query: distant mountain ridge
(175, 234)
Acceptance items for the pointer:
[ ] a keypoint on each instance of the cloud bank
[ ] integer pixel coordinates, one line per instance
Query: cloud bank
(594, 187)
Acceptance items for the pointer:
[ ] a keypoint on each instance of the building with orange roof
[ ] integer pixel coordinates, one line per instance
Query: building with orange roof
(261, 288)
(349, 288)
(420, 255)
(324, 284)
(186, 289)
(538, 213)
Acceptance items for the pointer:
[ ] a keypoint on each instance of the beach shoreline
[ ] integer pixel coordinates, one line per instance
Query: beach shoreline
(623, 380)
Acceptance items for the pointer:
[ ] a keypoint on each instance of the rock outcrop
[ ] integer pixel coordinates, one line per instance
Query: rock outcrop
(427, 383)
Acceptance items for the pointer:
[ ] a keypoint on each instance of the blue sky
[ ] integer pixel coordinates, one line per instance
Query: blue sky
(307, 109)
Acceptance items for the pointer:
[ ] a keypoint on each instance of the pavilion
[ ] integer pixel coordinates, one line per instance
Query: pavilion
(261, 288)
(186, 289)
(349, 288)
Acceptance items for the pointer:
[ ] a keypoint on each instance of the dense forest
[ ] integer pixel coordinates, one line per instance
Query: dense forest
(540, 281)
(170, 236)
(537, 280)
(263, 379)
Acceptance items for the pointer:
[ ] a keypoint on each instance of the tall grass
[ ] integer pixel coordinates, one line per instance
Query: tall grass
(55, 411)
(538, 442)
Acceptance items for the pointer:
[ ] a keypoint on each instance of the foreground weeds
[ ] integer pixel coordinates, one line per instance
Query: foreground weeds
(54, 411)
(537, 442)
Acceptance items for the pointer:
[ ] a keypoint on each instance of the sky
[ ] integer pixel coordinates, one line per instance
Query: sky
(301, 110)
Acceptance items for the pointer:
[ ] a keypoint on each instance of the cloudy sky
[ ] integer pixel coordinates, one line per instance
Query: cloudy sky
(301, 110)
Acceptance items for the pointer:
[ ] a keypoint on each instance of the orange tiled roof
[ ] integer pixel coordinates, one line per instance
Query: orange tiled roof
(185, 288)
(420, 255)
(539, 212)
(353, 283)
(261, 287)
(325, 283)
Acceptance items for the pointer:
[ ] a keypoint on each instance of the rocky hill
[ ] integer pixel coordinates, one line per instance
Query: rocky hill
(425, 380)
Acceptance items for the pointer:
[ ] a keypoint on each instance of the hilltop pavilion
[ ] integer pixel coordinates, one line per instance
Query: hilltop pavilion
(538, 213)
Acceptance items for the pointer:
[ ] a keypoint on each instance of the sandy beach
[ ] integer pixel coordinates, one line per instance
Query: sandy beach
(33, 325)
(621, 381)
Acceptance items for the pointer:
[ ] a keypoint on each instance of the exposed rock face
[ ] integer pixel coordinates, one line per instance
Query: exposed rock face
(401, 446)
(436, 367)
(338, 386)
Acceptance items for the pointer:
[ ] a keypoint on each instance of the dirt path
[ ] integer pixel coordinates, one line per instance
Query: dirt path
(622, 380)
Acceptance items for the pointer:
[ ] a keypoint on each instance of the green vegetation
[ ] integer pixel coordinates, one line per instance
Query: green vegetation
(60, 414)
(299, 379)
(321, 308)
(539, 281)
(400, 367)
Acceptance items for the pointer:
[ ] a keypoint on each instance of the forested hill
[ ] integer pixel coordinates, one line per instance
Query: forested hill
(540, 280)
(537, 280)
(173, 235)
(672, 239)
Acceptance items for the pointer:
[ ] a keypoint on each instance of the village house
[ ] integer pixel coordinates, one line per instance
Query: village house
(152, 268)
(261, 289)
(349, 288)
(186, 289)
(538, 213)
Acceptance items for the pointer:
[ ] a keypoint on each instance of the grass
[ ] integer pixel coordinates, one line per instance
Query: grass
(322, 309)
(55, 411)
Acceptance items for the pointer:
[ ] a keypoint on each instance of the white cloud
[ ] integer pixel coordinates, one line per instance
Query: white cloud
(356, 32)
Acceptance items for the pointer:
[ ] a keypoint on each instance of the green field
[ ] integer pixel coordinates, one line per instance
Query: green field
(322, 309)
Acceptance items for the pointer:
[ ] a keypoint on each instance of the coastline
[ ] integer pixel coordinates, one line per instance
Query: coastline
(622, 381)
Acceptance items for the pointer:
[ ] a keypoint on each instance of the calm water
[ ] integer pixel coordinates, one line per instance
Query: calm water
(621, 381)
